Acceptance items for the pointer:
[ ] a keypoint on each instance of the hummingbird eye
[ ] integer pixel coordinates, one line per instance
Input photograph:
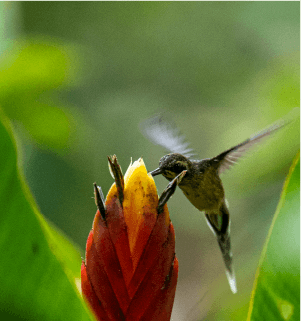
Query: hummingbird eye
(179, 166)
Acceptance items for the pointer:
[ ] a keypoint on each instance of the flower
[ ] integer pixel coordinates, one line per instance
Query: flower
(130, 271)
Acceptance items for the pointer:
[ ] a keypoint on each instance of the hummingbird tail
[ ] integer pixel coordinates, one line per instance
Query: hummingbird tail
(232, 281)
(225, 246)
(220, 225)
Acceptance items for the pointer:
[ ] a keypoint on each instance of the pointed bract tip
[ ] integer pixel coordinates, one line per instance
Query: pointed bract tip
(99, 200)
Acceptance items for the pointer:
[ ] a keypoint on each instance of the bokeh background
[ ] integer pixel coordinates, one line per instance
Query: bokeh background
(77, 78)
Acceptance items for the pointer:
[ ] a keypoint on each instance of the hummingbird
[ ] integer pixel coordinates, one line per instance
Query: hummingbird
(201, 183)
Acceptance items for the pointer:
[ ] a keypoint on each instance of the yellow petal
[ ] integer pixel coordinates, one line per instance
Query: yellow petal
(140, 196)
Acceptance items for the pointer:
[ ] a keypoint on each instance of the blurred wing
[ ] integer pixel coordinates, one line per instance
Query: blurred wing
(166, 134)
(232, 155)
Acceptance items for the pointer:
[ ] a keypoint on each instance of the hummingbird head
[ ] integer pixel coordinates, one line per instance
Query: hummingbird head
(171, 165)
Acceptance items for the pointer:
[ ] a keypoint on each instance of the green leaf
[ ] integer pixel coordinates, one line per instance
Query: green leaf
(39, 267)
(276, 292)
(31, 73)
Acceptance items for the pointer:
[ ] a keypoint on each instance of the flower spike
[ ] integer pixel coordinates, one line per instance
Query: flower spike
(130, 272)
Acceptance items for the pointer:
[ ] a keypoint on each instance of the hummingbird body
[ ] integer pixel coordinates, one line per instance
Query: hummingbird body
(199, 179)
(201, 184)
(203, 187)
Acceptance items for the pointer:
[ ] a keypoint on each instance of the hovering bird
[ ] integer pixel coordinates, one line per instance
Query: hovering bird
(202, 184)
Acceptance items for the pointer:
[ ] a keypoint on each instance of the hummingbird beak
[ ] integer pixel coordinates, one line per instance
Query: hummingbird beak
(157, 171)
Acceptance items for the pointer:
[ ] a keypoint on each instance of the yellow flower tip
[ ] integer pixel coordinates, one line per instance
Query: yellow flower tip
(134, 169)
(140, 203)
(138, 165)
(140, 200)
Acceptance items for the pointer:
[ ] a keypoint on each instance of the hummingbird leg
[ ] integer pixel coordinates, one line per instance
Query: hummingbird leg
(169, 190)
(220, 225)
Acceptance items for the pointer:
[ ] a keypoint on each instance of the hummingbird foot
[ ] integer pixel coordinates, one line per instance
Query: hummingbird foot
(169, 191)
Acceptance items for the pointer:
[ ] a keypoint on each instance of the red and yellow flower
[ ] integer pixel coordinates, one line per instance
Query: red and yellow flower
(130, 271)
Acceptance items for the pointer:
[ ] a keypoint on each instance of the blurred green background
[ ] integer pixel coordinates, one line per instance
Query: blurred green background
(77, 78)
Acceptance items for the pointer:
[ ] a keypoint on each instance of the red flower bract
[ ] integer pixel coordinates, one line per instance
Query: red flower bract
(131, 270)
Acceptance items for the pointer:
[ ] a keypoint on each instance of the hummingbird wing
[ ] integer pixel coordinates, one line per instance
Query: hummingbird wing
(220, 226)
(230, 157)
(166, 134)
